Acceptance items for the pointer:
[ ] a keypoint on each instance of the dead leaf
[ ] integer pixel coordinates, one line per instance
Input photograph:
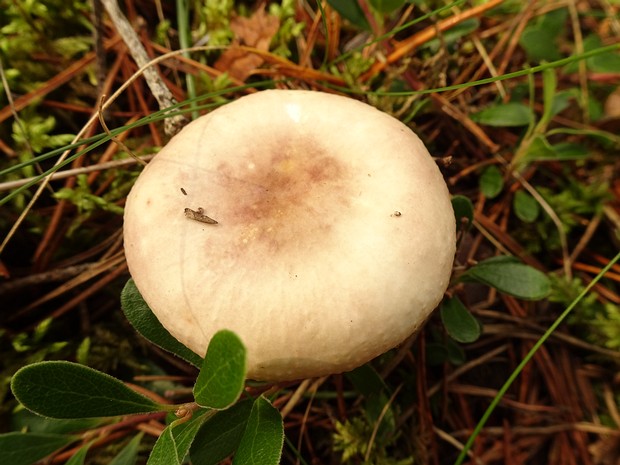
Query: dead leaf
(255, 31)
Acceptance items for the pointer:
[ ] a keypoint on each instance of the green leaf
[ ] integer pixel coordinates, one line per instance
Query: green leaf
(436, 354)
(463, 211)
(550, 83)
(505, 115)
(456, 354)
(80, 456)
(539, 149)
(222, 376)
(608, 62)
(220, 436)
(561, 101)
(263, 437)
(449, 351)
(129, 453)
(146, 323)
(570, 151)
(508, 275)
(526, 207)
(367, 381)
(539, 44)
(539, 40)
(554, 21)
(605, 63)
(174, 442)
(28, 448)
(25, 420)
(61, 389)
(351, 11)
(491, 182)
(460, 324)
(386, 6)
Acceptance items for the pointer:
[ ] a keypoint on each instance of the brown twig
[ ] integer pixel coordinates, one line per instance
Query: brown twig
(161, 93)
(405, 47)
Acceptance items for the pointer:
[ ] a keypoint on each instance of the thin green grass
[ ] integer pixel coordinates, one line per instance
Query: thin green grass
(100, 139)
(480, 82)
(517, 371)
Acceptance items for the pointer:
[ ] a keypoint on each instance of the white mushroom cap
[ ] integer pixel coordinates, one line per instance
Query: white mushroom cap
(335, 235)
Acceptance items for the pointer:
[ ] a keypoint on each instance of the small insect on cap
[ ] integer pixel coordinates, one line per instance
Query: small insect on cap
(314, 226)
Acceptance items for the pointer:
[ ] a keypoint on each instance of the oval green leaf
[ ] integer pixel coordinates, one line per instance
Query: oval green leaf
(222, 376)
(220, 436)
(505, 115)
(61, 389)
(146, 323)
(460, 324)
(262, 440)
(28, 448)
(491, 182)
(174, 442)
(510, 277)
(526, 207)
(463, 211)
(539, 44)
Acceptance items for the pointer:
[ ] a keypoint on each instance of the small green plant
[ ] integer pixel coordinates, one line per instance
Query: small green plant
(223, 419)
(597, 322)
(289, 28)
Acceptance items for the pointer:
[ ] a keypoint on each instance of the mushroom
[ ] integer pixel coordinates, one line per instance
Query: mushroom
(316, 227)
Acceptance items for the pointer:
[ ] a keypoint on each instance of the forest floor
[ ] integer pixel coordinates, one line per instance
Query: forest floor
(518, 100)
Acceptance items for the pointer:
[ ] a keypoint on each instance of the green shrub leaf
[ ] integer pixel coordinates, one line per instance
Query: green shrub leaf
(367, 381)
(463, 210)
(539, 38)
(61, 389)
(460, 324)
(27, 448)
(491, 182)
(146, 323)
(220, 436)
(540, 149)
(570, 151)
(508, 275)
(386, 6)
(262, 440)
(222, 375)
(80, 456)
(351, 11)
(129, 453)
(25, 420)
(174, 442)
(505, 115)
(526, 207)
